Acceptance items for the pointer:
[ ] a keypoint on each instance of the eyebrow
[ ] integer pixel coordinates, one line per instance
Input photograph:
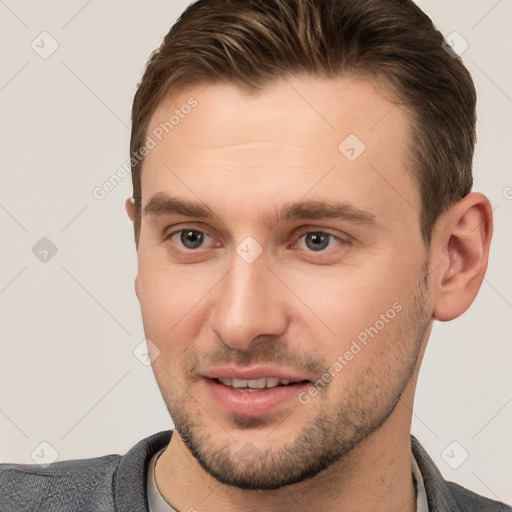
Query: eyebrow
(162, 204)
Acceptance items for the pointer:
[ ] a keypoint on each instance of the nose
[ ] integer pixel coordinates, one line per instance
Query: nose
(249, 304)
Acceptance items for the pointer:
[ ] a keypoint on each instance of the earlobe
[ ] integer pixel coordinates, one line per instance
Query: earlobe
(130, 208)
(464, 243)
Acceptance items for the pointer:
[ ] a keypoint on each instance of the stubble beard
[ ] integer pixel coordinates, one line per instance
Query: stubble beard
(325, 439)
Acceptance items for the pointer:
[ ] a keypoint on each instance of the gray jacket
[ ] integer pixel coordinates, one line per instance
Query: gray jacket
(115, 483)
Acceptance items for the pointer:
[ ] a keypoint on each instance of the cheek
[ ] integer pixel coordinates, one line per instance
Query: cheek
(174, 303)
(344, 303)
(376, 363)
(164, 296)
(164, 289)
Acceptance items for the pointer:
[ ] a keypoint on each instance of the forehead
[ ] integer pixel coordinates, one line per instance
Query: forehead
(303, 135)
(293, 110)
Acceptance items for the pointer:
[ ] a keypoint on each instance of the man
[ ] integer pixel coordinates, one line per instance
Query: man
(303, 213)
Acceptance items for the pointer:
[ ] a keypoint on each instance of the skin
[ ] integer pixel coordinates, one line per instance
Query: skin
(293, 307)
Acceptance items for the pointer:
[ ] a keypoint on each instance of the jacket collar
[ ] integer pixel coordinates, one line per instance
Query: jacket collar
(439, 496)
(130, 479)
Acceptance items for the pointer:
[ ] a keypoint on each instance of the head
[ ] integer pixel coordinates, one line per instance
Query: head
(302, 211)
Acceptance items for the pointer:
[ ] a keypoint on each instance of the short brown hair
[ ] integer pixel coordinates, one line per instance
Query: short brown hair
(252, 43)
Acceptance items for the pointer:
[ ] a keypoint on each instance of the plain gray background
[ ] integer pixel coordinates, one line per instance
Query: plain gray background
(70, 324)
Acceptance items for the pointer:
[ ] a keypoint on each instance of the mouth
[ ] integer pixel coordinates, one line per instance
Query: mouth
(254, 392)
(256, 384)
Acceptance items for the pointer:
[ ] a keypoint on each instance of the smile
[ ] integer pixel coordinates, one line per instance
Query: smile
(265, 382)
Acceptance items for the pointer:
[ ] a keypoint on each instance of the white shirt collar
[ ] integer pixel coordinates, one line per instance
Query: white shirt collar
(421, 494)
(156, 502)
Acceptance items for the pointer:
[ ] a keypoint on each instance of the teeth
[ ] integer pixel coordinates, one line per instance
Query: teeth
(258, 383)
(264, 382)
(272, 382)
(239, 383)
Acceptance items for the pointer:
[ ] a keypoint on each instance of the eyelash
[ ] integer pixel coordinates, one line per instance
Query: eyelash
(304, 233)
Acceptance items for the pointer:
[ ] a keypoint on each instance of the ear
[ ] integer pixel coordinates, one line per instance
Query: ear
(462, 241)
(136, 286)
(130, 208)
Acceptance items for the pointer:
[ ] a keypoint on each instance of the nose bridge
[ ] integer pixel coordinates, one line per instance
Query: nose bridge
(247, 305)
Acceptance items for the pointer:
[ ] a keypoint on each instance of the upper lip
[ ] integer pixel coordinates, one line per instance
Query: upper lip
(254, 373)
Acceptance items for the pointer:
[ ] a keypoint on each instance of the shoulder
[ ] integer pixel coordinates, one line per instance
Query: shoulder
(443, 496)
(466, 498)
(83, 483)
(108, 483)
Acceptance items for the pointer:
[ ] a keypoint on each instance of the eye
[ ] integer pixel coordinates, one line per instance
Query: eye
(189, 238)
(317, 241)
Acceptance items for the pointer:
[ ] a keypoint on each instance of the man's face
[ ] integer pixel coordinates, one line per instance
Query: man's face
(311, 271)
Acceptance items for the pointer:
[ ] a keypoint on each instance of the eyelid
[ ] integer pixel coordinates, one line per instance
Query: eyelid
(342, 237)
(182, 248)
(338, 242)
(185, 226)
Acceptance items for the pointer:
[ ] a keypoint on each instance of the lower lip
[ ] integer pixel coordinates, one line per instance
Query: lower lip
(255, 402)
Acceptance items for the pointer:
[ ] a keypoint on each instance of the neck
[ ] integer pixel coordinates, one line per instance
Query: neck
(375, 475)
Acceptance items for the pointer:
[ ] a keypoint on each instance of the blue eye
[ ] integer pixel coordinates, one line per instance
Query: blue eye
(190, 238)
(311, 241)
(317, 240)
